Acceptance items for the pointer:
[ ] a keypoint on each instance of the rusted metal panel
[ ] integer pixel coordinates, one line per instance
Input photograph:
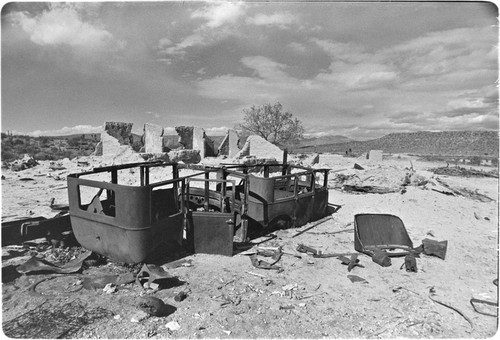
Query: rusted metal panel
(380, 231)
(127, 223)
(212, 216)
(213, 232)
(293, 195)
(16, 232)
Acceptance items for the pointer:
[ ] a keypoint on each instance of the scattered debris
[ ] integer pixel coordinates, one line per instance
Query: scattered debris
(173, 326)
(368, 189)
(56, 166)
(264, 264)
(153, 305)
(324, 219)
(436, 248)
(24, 163)
(484, 309)
(308, 250)
(351, 263)
(17, 232)
(410, 263)
(153, 272)
(181, 296)
(380, 257)
(139, 316)
(37, 265)
(256, 274)
(355, 278)
(475, 195)
(451, 307)
(460, 171)
(110, 288)
(66, 291)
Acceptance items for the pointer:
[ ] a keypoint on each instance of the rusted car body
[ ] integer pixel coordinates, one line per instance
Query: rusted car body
(126, 222)
(289, 197)
(206, 210)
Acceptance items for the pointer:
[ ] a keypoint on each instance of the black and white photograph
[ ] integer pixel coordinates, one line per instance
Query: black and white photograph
(250, 169)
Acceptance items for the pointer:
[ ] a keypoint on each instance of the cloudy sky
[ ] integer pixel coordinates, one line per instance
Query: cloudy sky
(360, 70)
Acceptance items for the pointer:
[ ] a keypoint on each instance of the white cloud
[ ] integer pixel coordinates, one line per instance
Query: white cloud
(67, 131)
(281, 20)
(179, 49)
(220, 13)
(62, 24)
(265, 67)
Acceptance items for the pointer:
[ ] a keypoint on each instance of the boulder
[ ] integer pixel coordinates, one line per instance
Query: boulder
(186, 156)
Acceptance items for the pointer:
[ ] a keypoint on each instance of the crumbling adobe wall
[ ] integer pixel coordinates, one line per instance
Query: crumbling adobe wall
(260, 148)
(153, 138)
(185, 136)
(229, 146)
(116, 144)
(199, 140)
(192, 137)
(122, 132)
(210, 150)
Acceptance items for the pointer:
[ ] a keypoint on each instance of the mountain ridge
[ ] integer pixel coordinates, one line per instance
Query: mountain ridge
(449, 143)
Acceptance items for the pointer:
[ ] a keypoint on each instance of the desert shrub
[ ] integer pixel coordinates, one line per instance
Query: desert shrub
(8, 156)
(32, 149)
(44, 141)
(74, 142)
(476, 160)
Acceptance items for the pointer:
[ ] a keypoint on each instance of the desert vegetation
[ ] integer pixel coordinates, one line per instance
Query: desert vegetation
(47, 148)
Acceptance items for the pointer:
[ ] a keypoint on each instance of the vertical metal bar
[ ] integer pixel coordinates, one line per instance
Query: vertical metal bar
(295, 194)
(142, 175)
(147, 175)
(175, 175)
(233, 193)
(114, 176)
(325, 174)
(266, 171)
(207, 191)
(285, 159)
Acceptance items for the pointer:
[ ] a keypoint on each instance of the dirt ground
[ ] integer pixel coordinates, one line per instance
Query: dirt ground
(310, 297)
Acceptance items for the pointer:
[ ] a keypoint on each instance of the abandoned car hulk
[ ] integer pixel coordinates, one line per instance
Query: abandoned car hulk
(205, 210)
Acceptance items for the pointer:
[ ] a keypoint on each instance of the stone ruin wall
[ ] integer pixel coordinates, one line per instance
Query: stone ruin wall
(193, 144)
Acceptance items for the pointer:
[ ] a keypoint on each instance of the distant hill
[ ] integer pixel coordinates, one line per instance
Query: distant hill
(324, 140)
(446, 143)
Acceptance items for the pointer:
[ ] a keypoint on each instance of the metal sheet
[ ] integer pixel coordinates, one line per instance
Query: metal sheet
(380, 230)
(212, 233)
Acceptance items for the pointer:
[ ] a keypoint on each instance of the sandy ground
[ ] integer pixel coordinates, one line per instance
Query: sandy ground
(311, 297)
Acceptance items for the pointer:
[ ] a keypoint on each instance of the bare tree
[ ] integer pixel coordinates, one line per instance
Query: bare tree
(273, 124)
